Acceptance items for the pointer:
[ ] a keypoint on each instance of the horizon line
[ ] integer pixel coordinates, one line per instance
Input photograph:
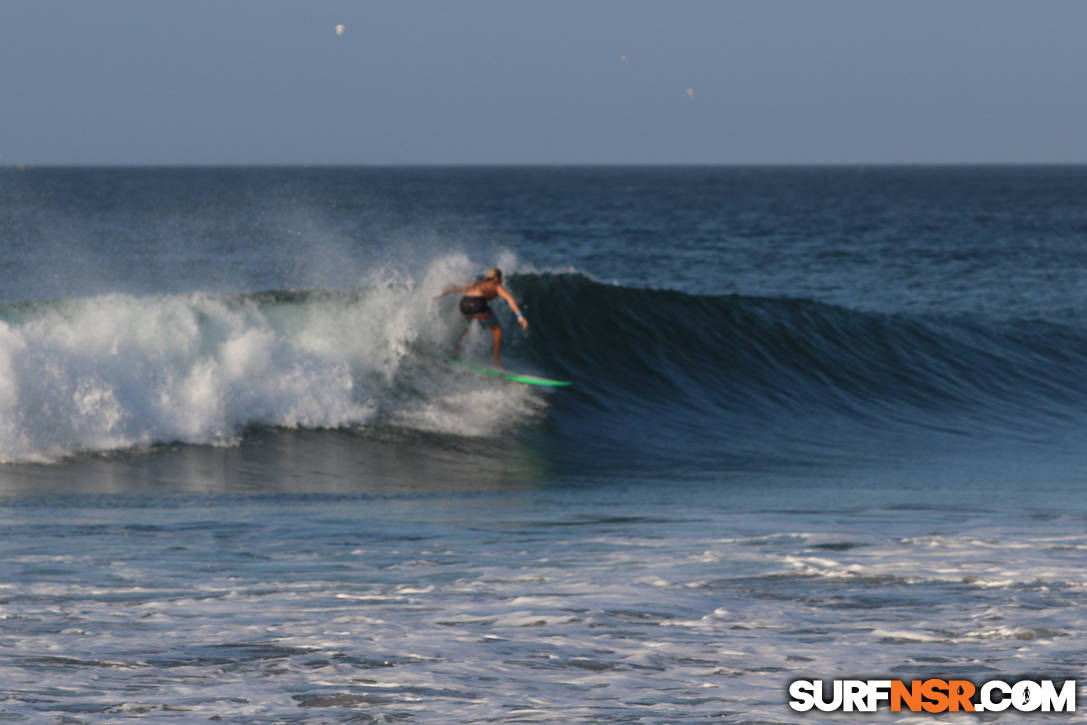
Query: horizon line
(21, 166)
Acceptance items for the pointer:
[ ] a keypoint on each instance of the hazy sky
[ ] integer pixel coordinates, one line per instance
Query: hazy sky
(542, 81)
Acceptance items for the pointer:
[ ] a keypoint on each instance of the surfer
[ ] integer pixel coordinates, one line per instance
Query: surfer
(474, 306)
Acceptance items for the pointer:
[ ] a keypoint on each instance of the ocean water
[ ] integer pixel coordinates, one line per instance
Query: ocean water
(825, 423)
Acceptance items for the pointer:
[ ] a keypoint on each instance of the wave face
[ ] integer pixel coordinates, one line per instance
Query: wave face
(702, 380)
(660, 376)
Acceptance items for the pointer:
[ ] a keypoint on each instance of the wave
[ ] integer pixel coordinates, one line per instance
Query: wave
(116, 372)
(798, 354)
(714, 379)
(657, 373)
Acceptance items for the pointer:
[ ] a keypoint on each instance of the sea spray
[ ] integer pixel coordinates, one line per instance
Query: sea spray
(118, 371)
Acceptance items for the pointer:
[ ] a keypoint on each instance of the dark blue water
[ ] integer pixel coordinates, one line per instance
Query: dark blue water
(824, 422)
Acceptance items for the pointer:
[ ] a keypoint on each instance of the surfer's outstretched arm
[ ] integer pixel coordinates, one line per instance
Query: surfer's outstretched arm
(505, 294)
(452, 289)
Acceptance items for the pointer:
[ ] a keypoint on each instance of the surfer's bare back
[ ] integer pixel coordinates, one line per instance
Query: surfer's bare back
(474, 306)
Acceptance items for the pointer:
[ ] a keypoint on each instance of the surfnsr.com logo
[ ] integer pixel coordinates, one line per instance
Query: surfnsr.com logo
(933, 696)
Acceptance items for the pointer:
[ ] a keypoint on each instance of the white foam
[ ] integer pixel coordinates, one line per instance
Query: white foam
(414, 626)
(118, 371)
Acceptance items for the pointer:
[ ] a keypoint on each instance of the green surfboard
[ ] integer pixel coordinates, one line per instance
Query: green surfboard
(515, 377)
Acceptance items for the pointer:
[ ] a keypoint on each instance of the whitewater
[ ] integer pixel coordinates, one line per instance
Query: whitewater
(115, 372)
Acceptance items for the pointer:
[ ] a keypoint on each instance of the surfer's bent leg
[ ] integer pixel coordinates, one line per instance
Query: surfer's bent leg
(460, 339)
(491, 321)
(496, 331)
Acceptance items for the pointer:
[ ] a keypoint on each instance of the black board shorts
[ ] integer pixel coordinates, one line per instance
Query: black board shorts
(476, 308)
